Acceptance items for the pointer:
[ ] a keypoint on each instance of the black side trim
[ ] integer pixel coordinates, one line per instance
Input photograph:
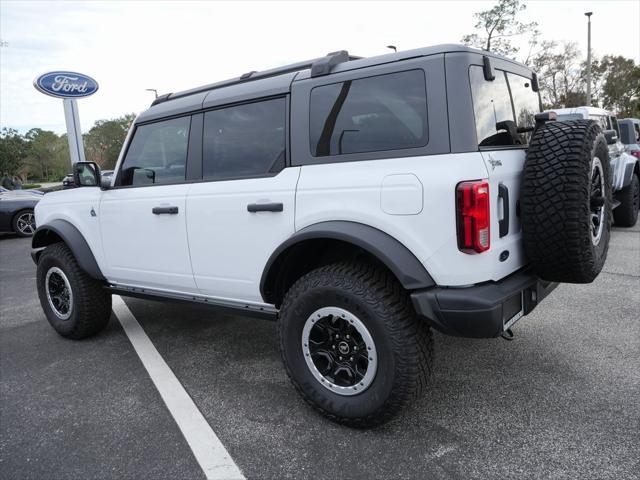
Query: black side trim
(487, 68)
(221, 306)
(503, 194)
(74, 240)
(535, 86)
(402, 263)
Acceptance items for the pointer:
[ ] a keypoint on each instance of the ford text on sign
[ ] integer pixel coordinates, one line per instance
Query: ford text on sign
(66, 84)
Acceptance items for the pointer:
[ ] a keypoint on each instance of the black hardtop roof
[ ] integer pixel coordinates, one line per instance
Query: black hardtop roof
(279, 79)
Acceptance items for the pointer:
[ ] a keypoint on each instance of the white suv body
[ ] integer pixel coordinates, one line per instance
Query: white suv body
(213, 247)
(358, 201)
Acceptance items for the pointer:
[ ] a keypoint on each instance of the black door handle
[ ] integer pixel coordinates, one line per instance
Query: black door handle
(265, 207)
(503, 194)
(165, 210)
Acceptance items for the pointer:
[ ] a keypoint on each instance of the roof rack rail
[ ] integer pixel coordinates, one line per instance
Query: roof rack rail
(319, 66)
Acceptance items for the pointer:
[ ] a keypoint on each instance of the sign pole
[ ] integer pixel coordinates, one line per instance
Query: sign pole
(74, 133)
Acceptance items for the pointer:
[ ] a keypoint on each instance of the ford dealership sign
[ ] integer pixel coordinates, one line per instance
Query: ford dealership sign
(66, 84)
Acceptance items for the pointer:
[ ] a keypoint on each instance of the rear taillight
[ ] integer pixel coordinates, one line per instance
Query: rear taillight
(636, 153)
(472, 207)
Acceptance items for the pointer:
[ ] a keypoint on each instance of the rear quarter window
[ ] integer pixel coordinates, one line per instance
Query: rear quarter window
(507, 98)
(384, 112)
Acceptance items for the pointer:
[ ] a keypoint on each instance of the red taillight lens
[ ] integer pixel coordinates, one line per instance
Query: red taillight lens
(636, 153)
(472, 206)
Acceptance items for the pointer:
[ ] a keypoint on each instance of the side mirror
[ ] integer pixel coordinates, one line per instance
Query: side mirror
(611, 136)
(86, 174)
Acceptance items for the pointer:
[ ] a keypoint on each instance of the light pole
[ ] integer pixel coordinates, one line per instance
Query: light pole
(152, 90)
(588, 14)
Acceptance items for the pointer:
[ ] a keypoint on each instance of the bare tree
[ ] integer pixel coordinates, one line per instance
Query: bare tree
(497, 26)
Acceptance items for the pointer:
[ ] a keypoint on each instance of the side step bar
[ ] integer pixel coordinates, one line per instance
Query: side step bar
(227, 306)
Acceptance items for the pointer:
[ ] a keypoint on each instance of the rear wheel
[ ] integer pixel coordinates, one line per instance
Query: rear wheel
(566, 201)
(76, 305)
(626, 215)
(24, 223)
(352, 345)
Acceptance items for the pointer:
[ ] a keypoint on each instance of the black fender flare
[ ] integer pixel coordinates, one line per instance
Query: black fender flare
(409, 271)
(630, 169)
(61, 229)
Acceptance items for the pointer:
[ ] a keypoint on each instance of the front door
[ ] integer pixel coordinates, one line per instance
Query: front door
(142, 219)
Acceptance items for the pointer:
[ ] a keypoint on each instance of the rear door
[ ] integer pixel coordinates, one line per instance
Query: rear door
(244, 207)
(507, 102)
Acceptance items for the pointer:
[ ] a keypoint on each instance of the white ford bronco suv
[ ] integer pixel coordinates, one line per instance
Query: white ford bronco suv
(361, 202)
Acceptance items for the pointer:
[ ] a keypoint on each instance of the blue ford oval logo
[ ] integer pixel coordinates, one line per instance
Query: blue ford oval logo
(66, 84)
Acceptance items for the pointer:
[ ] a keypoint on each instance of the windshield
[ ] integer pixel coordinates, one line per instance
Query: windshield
(569, 116)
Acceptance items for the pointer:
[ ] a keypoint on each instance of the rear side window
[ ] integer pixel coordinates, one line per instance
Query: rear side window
(157, 154)
(244, 140)
(385, 112)
(506, 103)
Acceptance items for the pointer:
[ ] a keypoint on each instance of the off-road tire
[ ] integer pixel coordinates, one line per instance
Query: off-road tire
(91, 304)
(556, 201)
(626, 214)
(403, 342)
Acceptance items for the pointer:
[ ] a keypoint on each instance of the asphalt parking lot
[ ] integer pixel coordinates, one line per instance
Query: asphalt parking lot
(560, 401)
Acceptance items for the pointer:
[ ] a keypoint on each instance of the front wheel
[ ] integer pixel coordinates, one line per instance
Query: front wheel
(352, 344)
(76, 305)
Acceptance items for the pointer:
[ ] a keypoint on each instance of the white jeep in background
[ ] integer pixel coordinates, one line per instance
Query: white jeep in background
(625, 167)
(358, 201)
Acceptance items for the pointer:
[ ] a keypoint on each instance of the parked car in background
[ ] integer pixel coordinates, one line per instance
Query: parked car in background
(16, 212)
(67, 181)
(625, 167)
(106, 174)
(24, 192)
(630, 135)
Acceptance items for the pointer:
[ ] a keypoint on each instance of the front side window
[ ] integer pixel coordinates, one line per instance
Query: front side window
(244, 140)
(385, 112)
(157, 154)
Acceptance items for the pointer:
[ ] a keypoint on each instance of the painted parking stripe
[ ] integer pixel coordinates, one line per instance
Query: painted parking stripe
(213, 458)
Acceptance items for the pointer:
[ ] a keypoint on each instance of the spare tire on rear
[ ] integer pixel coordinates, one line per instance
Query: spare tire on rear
(566, 201)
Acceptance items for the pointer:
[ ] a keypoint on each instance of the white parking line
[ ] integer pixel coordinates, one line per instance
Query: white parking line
(213, 458)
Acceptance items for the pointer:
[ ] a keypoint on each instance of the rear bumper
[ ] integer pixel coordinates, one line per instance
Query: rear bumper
(481, 311)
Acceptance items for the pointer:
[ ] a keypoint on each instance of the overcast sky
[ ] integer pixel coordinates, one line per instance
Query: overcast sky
(171, 46)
